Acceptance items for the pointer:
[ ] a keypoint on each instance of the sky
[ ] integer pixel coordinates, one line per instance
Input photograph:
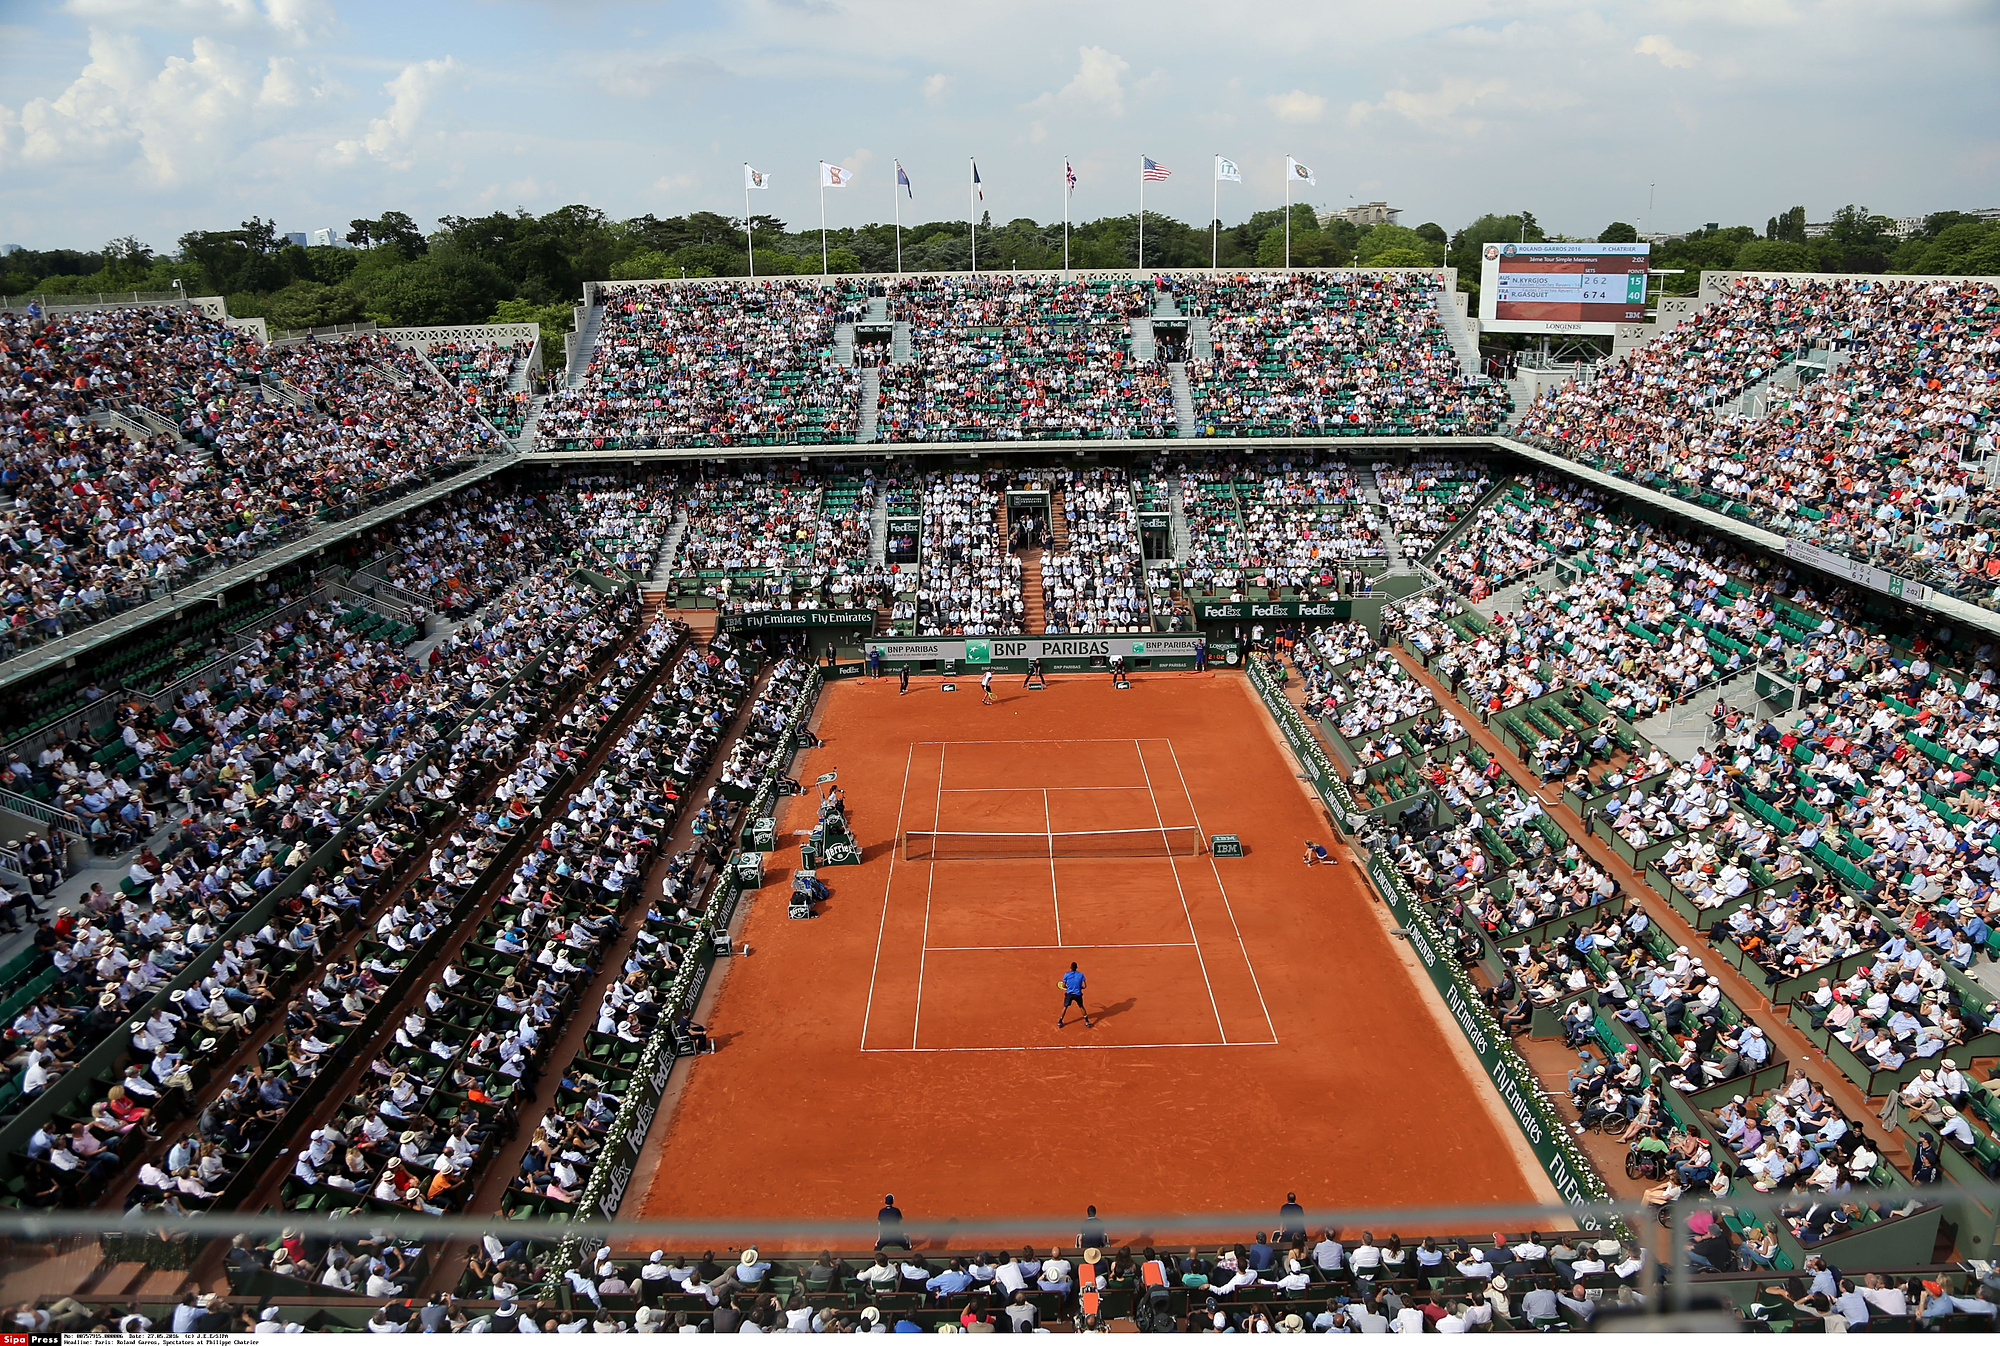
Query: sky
(155, 117)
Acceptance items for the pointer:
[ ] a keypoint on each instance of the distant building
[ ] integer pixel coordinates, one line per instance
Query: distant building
(1819, 230)
(296, 238)
(329, 238)
(1661, 238)
(1371, 212)
(9, 249)
(1988, 213)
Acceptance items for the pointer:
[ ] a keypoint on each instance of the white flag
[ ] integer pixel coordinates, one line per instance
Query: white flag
(833, 175)
(1226, 170)
(755, 180)
(1298, 172)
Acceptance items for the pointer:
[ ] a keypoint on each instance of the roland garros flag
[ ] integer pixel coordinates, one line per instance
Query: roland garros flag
(833, 175)
(1298, 172)
(755, 181)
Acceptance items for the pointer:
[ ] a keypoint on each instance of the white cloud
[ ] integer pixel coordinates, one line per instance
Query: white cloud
(934, 87)
(1099, 79)
(1297, 106)
(641, 74)
(390, 135)
(1670, 56)
(294, 19)
(187, 119)
(1437, 110)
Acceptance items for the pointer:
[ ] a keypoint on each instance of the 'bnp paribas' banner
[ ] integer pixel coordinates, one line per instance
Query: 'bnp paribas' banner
(860, 618)
(1338, 611)
(1059, 654)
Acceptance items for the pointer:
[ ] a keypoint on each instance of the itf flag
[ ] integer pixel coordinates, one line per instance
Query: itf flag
(833, 175)
(1226, 170)
(755, 181)
(1298, 172)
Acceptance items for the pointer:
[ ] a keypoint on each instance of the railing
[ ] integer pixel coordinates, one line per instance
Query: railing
(57, 820)
(296, 334)
(49, 301)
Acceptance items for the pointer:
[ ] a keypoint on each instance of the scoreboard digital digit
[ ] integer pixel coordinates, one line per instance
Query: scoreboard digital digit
(1582, 289)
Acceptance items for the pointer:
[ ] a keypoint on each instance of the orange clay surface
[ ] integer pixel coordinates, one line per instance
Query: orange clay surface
(1255, 1032)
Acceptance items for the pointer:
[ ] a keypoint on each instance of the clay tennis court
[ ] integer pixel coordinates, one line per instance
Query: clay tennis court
(1257, 1031)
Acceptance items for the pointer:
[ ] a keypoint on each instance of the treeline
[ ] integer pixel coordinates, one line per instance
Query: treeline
(522, 267)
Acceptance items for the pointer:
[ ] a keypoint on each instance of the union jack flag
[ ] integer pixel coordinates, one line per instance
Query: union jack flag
(1070, 174)
(1152, 172)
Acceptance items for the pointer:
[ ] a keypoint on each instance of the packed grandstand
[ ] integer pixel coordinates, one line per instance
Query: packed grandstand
(382, 880)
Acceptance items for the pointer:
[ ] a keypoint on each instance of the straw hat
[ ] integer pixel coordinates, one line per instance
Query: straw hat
(1093, 1255)
(748, 1259)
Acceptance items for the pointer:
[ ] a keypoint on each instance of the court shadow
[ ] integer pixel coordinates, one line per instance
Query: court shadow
(1113, 1011)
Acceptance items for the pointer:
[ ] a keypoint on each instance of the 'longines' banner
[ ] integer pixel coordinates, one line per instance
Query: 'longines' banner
(766, 621)
(1339, 611)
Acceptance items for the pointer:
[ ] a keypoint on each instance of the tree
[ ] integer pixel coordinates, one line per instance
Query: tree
(650, 264)
(361, 233)
(1618, 232)
(1387, 238)
(554, 320)
(842, 261)
(1430, 233)
(1772, 255)
(127, 262)
(444, 289)
(306, 303)
(399, 231)
(1399, 257)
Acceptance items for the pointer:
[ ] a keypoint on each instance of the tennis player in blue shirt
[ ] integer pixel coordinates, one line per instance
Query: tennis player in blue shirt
(1072, 984)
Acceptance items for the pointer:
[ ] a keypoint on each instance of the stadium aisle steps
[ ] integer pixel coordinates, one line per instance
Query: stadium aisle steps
(1031, 591)
(1184, 426)
(1058, 520)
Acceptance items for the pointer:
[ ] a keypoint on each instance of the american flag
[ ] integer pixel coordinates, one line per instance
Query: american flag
(1152, 172)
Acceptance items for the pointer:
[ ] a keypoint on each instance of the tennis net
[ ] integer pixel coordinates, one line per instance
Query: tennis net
(1123, 843)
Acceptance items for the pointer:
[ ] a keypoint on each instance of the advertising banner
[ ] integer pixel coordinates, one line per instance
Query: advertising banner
(1337, 610)
(861, 618)
(1059, 654)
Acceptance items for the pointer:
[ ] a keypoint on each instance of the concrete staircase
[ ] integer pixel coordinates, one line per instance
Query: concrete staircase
(878, 309)
(1164, 306)
(1144, 347)
(1456, 331)
(843, 345)
(519, 380)
(899, 344)
(586, 342)
(1034, 616)
(878, 530)
(1393, 540)
(1177, 525)
(1058, 521)
(1184, 424)
(525, 441)
(1679, 730)
(871, 405)
(1201, 342)
(670, 550)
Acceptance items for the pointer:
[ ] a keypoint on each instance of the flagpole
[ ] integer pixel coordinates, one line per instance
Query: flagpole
(822, 217)
(1288, 212)
(1065, 219)
(1142, 212)
(1215, 213)
(896, 195)
(749, 240)
(972, 208)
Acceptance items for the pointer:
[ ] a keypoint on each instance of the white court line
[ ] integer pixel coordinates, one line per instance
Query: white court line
(1189, 915)
(1010, 742)
(1055, 899)
(1080, 1047)
(1030, 789)
(1244, 949)
(869, 1008)
(937, 811)
(1005, 948)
